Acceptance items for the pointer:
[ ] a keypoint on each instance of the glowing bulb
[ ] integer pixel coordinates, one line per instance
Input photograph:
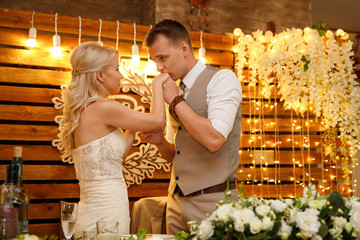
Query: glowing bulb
(135, 58)
(151, 67)
(202, 55)
(31, 42)
(56, 50)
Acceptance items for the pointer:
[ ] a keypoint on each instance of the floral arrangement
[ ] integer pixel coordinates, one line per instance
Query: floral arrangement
(313, 69)
(309, 217)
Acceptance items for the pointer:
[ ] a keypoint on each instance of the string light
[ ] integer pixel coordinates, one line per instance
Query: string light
(31, 42)
(150, 65)
(56, 50)
(135, 58)
(117, 35)
(79, 30)
(99, 39)
(201, 50)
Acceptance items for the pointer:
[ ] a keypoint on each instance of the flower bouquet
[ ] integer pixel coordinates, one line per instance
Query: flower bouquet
(308, 217)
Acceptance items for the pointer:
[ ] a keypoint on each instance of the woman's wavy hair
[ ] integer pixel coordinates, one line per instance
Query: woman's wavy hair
(86, 59)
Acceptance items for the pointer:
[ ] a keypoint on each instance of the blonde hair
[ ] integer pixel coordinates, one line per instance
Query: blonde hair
(86, 59)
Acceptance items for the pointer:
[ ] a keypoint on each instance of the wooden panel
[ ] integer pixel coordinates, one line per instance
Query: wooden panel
(248, 141)
(27, 132)
(43, 58)
(31, 95)
(31, 152)
(44, 211)
(45, 172)
(71, 190)
(285, 174)
(44, 229)
(45, 22)
(34, 76)
(28, 113)
(18, 37)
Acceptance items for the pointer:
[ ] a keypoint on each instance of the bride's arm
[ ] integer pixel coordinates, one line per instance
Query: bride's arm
(129, 138)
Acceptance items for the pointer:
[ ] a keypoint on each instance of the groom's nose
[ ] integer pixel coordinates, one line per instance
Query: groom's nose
(160, 67)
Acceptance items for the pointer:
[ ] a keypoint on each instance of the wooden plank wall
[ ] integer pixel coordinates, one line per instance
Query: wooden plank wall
(30, 78)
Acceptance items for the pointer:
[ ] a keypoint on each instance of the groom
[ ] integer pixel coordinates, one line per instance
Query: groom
(205, 149)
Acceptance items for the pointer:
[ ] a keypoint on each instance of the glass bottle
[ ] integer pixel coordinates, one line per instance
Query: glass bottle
(20, 198)
(8, 214)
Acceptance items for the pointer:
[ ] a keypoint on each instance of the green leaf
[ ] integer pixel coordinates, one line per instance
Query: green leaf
(260, 236)
(141, 234)
(323, 231)
(336, 202)
(322, 28)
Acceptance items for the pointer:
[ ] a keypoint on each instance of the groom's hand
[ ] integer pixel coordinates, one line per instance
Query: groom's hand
(154, 137)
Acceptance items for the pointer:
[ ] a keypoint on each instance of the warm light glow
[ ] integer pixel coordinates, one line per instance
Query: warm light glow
(151, 67)
(202, 55)
(31, 42)
(135, 58)
(56, 50)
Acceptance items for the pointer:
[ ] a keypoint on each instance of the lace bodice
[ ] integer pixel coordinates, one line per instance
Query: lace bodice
(101, 158)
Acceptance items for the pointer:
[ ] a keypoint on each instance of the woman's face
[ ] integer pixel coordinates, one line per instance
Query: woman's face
(112, 76)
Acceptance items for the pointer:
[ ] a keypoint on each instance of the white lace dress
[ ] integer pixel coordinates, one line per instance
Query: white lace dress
(103, 192)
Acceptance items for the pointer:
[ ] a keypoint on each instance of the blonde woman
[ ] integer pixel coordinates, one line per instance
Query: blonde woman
(92, 134)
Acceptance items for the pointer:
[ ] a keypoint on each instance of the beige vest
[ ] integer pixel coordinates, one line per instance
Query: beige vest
(194, 166)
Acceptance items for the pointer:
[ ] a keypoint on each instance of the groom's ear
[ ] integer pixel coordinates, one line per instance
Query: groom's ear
(99, 76)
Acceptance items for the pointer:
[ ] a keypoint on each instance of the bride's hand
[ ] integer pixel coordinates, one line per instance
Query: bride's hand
(161, 78)
(154, 137)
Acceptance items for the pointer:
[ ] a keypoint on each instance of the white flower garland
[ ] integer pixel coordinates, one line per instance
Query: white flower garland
(313, 73)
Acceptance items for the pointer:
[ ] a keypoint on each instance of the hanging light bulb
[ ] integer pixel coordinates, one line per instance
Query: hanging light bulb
(56, 50)
(31, 42)
(201, 50)
(135, 58)
(151, 65)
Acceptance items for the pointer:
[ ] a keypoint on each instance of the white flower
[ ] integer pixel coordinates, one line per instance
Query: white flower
(263, 210)
(267, 224)
(355, 216)
(318, 204)
(255, 225)
(348, 227)
(278, 206)
(289, 201)
(316, 237)
(292, 215)
(308, 222)
(224, 212)
(241, 217)
(285, 230)
(335, 232)
(206, 229)
(339, 222)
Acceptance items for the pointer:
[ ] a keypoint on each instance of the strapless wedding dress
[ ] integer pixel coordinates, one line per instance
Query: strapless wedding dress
(103, 192)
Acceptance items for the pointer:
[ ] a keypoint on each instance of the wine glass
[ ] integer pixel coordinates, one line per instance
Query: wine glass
(69, 213)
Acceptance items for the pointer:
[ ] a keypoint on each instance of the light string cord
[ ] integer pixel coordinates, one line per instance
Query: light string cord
(56, 23)
(99, 39)
(32, 19)
(134, 33)
(201, 42)
(79, 30)
(117, 34)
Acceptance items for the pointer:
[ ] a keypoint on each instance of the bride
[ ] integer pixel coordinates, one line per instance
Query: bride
(92, 134)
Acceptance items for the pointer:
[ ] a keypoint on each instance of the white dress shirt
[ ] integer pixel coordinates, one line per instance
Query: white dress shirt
(223, 96)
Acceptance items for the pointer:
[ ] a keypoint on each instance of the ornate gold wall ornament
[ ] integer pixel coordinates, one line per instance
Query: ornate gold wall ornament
(147, 160)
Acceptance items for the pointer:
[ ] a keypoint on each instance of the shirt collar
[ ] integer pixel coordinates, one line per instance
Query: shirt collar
(194, 73)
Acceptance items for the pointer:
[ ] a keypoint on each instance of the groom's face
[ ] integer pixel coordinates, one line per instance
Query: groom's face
(168, 58)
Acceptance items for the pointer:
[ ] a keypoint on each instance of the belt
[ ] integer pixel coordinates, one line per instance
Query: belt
(213, 189)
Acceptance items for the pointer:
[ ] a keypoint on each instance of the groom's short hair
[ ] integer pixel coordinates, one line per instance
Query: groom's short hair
(173, 30)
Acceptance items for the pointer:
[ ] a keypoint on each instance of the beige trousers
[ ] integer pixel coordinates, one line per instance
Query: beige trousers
(180, 210)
